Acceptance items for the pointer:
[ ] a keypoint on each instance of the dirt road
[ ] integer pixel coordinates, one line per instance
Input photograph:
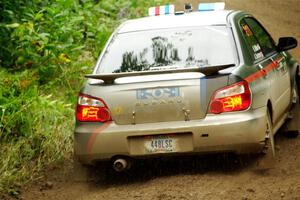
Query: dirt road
(206, 178)
(210, 177)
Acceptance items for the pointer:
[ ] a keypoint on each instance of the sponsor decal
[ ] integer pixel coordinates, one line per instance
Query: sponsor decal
(118, 110)
(258, 55)
(158, 93)
(247, 30)
(256, 48)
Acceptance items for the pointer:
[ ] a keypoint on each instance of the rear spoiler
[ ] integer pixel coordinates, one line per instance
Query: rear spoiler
(110, 78)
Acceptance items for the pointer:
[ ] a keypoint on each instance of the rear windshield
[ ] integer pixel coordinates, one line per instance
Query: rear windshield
(168, 49)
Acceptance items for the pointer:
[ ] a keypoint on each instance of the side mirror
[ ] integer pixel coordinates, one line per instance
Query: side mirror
(286, 43)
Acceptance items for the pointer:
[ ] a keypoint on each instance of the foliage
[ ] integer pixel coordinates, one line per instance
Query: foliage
(45, 47)
(46, 34)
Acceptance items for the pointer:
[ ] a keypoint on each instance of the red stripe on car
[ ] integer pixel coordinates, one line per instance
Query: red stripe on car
(262, 72)
(93, 137)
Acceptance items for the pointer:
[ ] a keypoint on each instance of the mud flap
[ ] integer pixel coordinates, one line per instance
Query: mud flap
(267, 160)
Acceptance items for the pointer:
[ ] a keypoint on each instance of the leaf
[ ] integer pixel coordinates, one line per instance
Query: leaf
(78, 48)
(9, 12)
(38, 16)
(29, 15)
(14, 25)
(30, 26)
(44, 36)
(64, 57)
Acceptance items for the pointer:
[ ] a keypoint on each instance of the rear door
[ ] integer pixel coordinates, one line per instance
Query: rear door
(271, 62)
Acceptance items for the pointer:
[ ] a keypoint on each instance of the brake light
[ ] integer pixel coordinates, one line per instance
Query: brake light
(91, 109)
(236, 97)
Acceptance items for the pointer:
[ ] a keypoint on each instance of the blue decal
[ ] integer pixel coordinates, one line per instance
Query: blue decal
(167, 9)
(142, 94)
(158, 93)
(172, 92)
(206, 7)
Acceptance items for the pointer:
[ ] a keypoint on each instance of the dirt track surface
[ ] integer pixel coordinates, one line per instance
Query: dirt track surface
(210, 177)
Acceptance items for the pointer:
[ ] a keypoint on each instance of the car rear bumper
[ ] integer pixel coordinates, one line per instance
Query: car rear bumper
(240, 132)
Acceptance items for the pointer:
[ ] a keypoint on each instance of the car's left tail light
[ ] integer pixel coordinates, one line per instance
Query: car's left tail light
(236, 97)
(92, 109)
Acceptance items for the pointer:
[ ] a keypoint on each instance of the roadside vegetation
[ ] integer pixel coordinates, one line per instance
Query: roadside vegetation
(46, 47)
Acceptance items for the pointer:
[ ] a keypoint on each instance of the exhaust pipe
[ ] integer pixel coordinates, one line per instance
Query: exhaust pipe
(121, 164)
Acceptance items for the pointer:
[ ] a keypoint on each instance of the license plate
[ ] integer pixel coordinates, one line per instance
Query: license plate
(160, 144)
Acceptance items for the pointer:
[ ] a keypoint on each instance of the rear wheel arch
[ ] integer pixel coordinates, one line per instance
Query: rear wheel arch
(297, 82)
(295, 76)
(270, 109)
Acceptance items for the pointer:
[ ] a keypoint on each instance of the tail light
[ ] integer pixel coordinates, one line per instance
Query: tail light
(91, 109)
(235, 97)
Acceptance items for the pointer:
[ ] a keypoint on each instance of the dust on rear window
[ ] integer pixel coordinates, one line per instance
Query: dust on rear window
(168, 49)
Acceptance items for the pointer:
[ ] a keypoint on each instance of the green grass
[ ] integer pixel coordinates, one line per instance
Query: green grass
(37, 131)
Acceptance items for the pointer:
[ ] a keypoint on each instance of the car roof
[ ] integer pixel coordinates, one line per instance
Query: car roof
(174, 21)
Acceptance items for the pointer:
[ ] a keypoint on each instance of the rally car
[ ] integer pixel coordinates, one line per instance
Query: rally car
(176, 83)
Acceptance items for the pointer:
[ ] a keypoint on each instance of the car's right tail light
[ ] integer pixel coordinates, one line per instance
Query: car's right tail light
(92, 109)
(236, 97)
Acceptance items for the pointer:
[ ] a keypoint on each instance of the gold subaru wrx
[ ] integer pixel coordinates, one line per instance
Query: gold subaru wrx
(178, 83)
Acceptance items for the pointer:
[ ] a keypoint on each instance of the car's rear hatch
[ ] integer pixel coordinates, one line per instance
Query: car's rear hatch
(163, 75)
(157, 98)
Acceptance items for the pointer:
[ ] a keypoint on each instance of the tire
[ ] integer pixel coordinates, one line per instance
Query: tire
(292, 127)
(297, 84)
(295, 92)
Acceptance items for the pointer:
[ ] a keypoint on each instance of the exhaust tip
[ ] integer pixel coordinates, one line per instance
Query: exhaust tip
(120, 165)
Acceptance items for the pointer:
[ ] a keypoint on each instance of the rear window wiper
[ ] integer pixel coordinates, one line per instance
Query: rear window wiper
(109, 78)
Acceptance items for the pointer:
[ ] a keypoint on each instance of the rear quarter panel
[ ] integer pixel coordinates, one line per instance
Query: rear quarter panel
(260, 87)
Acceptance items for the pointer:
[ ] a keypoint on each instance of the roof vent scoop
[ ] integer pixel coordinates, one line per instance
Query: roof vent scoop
(188, 7)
